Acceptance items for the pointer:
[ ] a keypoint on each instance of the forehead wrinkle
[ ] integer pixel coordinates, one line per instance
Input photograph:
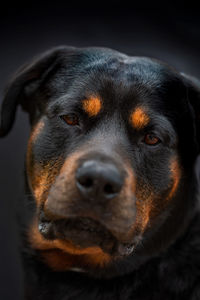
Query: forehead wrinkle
(63, 105)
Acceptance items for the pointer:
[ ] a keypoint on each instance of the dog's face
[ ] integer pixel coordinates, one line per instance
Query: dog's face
(113, 142)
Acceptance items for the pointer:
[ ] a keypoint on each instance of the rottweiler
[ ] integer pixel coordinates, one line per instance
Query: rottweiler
(111, 204)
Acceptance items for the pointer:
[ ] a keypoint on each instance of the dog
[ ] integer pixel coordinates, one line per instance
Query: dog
(111, 206)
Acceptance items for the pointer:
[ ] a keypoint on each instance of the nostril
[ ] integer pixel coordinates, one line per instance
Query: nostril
(99, 180)
(87, 182)
(108, 189)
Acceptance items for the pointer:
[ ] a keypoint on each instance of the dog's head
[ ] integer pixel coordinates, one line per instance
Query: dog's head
(110, 156)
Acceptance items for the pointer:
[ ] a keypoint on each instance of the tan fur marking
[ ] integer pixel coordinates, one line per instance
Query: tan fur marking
(57, 260)
(29, 156)
(36, 131)
(57, 251)
(92, 106)
(176, 174)
(139, 118)
(149, 207)
(144, 209)
(40, 176)
(100, 259)
(146, 212)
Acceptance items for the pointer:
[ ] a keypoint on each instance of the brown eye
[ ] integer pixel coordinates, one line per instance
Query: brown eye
(71, 119)
(151, 139)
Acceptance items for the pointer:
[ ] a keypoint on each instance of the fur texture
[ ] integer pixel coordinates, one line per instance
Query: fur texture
(112, 210)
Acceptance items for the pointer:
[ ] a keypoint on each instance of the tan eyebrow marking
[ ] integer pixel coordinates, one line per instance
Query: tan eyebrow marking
(92, 106)
(139, 118)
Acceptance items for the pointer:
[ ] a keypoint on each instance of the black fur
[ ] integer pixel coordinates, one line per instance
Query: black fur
(165, 263)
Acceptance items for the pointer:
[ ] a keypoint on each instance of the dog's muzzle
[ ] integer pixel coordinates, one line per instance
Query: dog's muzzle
(89, 209)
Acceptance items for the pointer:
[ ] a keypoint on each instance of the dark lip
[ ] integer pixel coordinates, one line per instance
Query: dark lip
(84, 232)
(81, 231)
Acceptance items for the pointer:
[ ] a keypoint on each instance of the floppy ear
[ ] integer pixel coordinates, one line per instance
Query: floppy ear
(193, 96)
(34, 71)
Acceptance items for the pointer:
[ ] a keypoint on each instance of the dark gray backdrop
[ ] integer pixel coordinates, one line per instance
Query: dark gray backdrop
(169, 33)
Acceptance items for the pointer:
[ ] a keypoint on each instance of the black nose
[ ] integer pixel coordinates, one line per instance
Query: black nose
(98, 180)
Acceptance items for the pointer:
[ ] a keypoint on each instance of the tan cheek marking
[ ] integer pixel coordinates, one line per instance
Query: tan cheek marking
(144, 213)
(139, 118)
(30, 167)
(149, 207)
(92, 106)
(176, 175)
(29, 155)
(92, 256)
(40, 177)
(36, 131)
(41, 181)
(145, 209)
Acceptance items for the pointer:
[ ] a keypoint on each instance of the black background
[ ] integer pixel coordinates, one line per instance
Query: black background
(164, 30)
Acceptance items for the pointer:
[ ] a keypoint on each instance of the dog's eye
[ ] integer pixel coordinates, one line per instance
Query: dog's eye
(151, 139)
(71, 119)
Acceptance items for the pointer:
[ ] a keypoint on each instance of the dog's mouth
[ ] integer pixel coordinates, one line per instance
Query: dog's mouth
(84, 232)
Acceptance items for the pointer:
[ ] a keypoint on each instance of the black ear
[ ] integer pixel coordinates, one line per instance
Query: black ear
(193, 97)
(36, 70)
